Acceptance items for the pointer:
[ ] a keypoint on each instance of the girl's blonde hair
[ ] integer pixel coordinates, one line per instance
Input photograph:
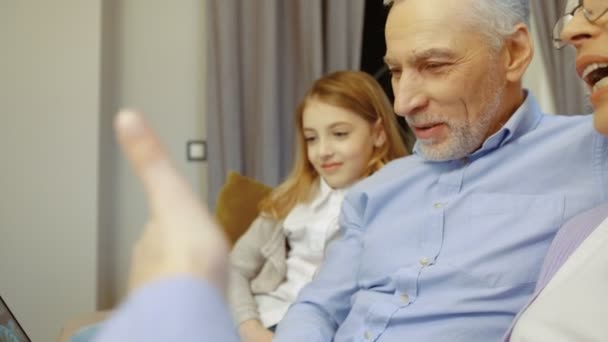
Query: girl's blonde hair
(357, 92)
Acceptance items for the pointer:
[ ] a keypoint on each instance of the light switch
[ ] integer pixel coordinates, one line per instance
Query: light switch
(196, 150)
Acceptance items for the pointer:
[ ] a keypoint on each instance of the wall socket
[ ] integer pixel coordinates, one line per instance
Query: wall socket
(196, 150)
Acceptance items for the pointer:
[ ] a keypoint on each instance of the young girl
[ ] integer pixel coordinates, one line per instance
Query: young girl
(346, 130)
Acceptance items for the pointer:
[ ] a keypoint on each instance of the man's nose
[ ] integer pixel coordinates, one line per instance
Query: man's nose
(578, 30)
(409, 97)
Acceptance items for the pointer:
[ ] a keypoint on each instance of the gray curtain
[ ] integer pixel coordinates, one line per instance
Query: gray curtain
(568, 90)
(262, 55)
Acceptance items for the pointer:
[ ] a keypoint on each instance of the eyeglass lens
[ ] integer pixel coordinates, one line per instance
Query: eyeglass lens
(595, 8)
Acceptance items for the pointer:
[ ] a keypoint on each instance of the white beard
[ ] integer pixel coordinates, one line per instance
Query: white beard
(463, 137)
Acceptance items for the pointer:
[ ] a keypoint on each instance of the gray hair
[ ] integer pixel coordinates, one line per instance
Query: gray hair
(495, 19)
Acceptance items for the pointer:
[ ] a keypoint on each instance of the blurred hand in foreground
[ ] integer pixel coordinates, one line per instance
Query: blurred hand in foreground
(181, 237)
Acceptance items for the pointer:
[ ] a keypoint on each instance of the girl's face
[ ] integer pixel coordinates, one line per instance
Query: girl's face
(339, 143)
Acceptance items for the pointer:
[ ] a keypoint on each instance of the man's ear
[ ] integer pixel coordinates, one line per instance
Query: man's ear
(379, 134)
(518, 52)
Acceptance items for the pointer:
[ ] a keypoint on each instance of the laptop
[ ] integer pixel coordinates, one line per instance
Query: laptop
(10, 329)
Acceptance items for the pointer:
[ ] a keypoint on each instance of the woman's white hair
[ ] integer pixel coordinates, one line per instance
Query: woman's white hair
(495, 19)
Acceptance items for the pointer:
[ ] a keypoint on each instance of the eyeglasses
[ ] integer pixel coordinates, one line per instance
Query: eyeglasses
(592, 10)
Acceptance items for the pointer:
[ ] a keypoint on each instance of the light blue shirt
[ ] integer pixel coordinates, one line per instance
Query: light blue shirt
(450, 251)
(181, 309)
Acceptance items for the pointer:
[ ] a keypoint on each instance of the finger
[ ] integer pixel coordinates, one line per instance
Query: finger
(167, 192)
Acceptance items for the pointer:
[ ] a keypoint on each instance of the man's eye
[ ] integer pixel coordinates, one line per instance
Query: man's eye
(435, 65)
(394, 73)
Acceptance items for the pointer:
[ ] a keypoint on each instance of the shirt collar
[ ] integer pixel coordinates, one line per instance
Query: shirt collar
(324, 192)
(524, 120)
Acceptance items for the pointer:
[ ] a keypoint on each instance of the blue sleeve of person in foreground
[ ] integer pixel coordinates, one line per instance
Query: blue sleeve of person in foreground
(175, 309)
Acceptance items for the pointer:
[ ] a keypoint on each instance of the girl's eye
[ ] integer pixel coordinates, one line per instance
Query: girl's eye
(341, 134)
(309, 139)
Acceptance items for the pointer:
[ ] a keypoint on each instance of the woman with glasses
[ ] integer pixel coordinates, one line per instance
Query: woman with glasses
(571, 300)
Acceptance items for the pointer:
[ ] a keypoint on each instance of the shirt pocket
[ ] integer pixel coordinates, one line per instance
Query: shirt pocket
(507, 237)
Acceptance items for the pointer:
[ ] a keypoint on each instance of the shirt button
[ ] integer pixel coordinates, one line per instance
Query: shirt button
(438, 205)
(424, 261)
(405, 298)
(367, 335)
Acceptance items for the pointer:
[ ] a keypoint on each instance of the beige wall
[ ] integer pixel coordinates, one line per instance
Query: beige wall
(69, 207)
(49, 86)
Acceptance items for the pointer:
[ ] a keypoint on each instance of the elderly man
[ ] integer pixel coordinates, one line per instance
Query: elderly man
(446, 245)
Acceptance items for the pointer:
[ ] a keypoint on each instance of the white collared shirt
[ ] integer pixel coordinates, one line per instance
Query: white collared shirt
(574, 305)
(309, 227)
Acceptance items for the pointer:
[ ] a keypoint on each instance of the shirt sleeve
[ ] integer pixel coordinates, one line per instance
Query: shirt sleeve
(177, 309)
(324, 303)
(246, 261)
